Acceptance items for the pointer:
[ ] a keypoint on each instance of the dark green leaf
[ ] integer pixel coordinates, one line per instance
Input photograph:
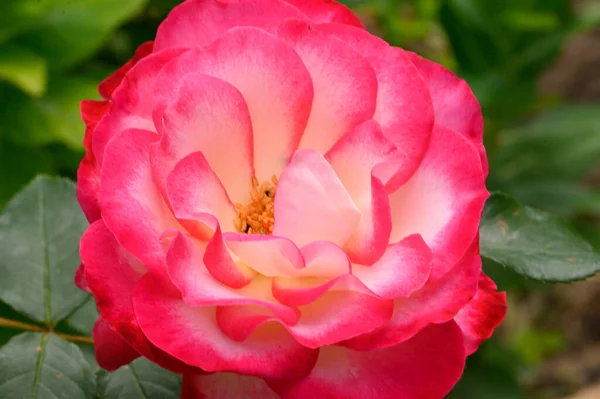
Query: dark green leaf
(83, 319)
(534, 243)
(40, 230)
(44, 366)
(139, 380)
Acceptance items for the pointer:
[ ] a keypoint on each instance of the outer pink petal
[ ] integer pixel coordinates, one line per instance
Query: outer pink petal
(112, 351)
(443, 200)
(482, 315)
(455, 104)
(211, 116)
(425, 367)
(194, 189)
(338, 315)
(404, 107)
(111, 274)
(436, 302)
(311, 202)
(110, 84)
(225, 386)
(132, 206)
(357, 159)
(198, 23)
(132, 101)
(273, 81)
(323, 11)
(199, 288)
(80, 279)
(192, 335)
(403, 269)
(88, 179)
(345, 86)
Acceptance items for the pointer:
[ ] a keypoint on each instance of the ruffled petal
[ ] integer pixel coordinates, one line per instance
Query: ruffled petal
(132, 101)
(132, 207)
(437, 302)
(198, 23)
(312, 204)
(111, 274)
(112, 351)
(192, 335)
(427, 366)
(357, 159)
(455, 104)
(324, 11)
(404, 107)
(225, 386)
(110, 84)
(208, 115)
(274, 82)
(482, 315)
(403, 269)
(345, 85)
(443, 201)
(194, 190)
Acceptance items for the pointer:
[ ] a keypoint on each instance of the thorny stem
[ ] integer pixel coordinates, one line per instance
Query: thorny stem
(32, 327)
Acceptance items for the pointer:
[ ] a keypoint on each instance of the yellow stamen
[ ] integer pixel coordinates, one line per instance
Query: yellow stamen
(257, 217)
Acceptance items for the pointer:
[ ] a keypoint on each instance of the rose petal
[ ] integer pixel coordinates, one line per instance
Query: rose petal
(455, 104)
(311, 203)
(322, 11)
(131, 104)
(211, 116)
(443, 200)
(132, 206)
(110, 84)
(356, 159)
(198, 23)
(482, 314)
(345, 86)
(194, 189)
(403, 269)
(437, 302)
(403, 371)
(273, 80)
(111, 274)
(225, 386)
(404, 107)
(192, 335)
(112, 351)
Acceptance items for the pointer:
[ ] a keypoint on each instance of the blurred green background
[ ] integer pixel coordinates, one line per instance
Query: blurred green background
(533, 64)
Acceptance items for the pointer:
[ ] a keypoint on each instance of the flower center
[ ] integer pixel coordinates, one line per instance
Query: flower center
(257, 217)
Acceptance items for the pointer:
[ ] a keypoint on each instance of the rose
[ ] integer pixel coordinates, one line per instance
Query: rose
(283, 205)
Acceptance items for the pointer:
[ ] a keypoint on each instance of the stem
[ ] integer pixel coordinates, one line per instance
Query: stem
(82, 339)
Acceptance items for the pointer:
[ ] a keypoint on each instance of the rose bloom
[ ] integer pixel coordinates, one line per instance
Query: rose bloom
(284, 206)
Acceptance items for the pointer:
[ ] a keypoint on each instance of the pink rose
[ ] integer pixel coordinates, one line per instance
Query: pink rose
(283, 205)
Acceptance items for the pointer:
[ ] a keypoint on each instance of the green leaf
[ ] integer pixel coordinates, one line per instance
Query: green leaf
(534, 243)
(44, 366)
(139, 380)
(23, 68)
(71, 30)
(40, 230)
(54, 117)
(83, 319)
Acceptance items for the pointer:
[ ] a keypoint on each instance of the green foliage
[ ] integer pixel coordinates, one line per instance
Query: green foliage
(44, 366)
(534, 243)
(139, 380)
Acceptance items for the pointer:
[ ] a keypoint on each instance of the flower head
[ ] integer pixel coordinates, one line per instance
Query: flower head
(284, 205)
